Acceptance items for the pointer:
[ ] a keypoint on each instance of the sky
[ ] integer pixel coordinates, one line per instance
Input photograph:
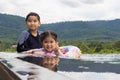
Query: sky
(52, 11)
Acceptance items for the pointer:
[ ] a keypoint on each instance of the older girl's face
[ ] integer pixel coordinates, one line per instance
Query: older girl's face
(49, 44)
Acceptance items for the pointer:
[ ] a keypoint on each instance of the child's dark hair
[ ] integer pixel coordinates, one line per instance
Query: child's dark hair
(33, 14)
(55, 69)
(48, 33)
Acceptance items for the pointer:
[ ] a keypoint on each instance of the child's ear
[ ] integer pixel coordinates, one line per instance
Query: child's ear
(26, 24)
(39, 23)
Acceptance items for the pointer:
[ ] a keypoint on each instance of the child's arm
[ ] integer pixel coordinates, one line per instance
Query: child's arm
(39, 51)
(21, 42)
(21, 48)
(34, 51)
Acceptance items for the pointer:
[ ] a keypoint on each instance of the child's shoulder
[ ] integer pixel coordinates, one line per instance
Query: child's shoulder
(23, 36)
(25, 32)
(39, 32)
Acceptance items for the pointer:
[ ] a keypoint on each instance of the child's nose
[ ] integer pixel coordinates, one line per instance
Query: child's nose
(32, 22)
(49, 44)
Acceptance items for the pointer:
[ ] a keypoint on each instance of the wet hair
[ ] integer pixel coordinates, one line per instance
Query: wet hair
(32, 14)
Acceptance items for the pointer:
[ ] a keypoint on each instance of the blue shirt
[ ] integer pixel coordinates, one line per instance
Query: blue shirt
(27, 41)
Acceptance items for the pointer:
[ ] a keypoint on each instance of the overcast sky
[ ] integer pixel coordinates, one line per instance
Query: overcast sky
(63, 10)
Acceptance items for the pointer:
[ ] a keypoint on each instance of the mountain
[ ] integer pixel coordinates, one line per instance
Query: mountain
(12, 25)
(87, 30)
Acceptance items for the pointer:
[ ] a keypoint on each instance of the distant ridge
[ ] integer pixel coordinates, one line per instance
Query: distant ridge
(87, 30)
(11, 26)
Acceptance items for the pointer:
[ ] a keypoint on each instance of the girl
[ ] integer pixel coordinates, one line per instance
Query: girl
(49, 43)
(49, 52)
(50, 49)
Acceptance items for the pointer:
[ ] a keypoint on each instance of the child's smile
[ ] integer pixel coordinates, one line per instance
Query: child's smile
(49, 44)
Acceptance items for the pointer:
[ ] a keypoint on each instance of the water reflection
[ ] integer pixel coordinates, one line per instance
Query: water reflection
(87, 63)
(92, 63)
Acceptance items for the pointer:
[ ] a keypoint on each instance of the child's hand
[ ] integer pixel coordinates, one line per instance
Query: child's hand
(29, 51)
(39, 52)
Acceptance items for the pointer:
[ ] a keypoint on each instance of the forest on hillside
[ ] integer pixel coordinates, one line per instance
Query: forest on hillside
(86, 47)
(90, 36)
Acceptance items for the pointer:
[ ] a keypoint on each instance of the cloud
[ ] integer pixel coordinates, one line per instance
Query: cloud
(91, 1)
(71, 3)
(63, 10)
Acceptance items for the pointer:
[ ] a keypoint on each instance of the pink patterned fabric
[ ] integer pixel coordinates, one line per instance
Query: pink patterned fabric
(65, 52)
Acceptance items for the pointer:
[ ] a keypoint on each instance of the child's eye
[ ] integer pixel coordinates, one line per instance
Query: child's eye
(45, 41)
(51, 64)
(51, 42)
(29, 21)
(35, 20)
(45, 64)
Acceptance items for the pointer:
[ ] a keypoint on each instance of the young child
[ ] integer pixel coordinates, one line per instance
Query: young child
(50, 47)
(49, 44)
(29, 39)
(49, 50)
(52, 51)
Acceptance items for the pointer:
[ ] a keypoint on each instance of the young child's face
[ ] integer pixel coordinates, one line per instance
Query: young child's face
(32, 23)
(49, 44)
(49, 62)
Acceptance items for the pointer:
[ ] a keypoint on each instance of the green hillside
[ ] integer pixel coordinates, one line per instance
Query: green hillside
(87, 30)
(11, 26)
(89, 36)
